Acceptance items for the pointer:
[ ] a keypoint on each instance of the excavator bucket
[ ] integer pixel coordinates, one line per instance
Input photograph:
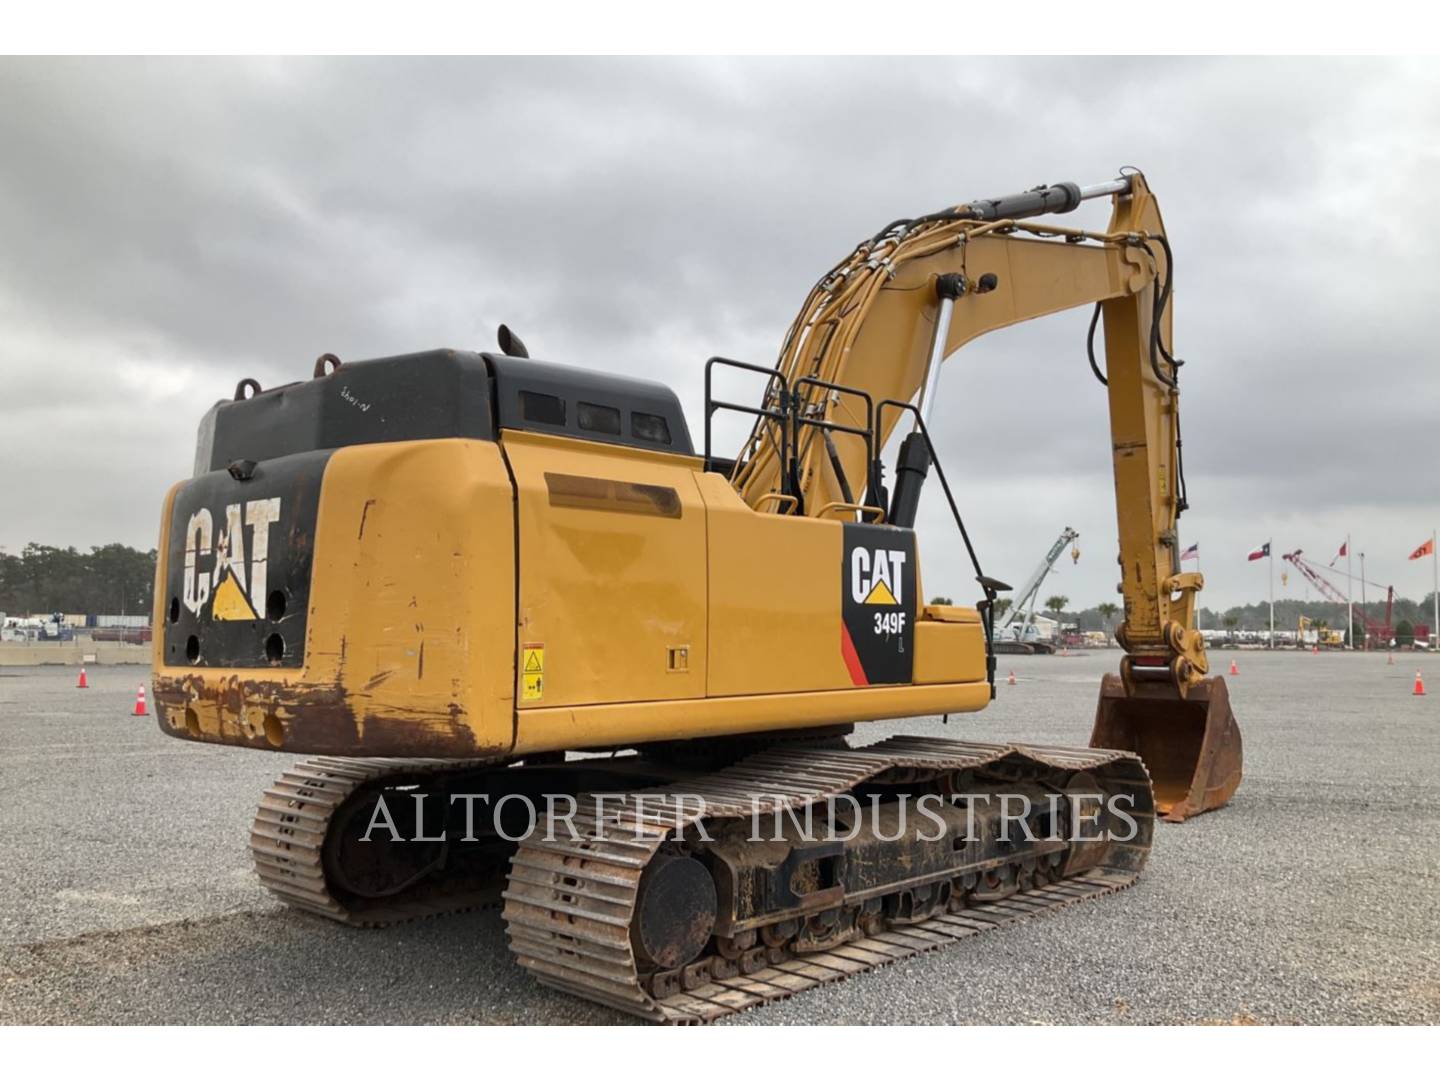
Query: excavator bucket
(1190, 745)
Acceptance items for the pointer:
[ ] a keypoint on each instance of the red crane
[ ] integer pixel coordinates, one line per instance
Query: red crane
(1375, 632)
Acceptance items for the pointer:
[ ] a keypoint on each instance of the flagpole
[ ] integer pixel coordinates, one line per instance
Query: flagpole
(1362, 601)
(1270, 558)
(1349, 597)
(1435, 569)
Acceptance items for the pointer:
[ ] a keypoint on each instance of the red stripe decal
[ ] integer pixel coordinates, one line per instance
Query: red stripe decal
(852, 658)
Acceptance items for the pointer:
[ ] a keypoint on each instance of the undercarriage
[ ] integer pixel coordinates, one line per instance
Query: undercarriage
(681, 889)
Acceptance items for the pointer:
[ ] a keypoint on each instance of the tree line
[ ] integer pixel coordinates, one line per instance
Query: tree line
(109, 580)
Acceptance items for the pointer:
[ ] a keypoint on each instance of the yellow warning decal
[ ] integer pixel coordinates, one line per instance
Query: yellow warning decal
(881, 594)
(532, 672)
(230, 603)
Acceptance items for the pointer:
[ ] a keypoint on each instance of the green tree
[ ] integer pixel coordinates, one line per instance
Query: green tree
(1002, 605)
(109, 580)
(1055, 605)
(944, 600)
(1404, 632)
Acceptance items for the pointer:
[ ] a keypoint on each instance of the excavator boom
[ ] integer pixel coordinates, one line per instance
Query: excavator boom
(882, 323)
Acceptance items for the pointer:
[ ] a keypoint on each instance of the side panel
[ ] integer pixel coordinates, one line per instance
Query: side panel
(612, 573)
(950, 652)
(648, 721)
(409, 644)
(775, 595)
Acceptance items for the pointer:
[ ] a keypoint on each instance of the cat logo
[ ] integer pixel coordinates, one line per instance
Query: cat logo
(234, 587)
(877, 576)
(877, 604)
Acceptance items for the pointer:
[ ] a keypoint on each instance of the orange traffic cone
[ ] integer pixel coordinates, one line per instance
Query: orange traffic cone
(1234, 670)
(1011, 679)
(1390, 659)
(1314, 650)
(140, 702)
(84, 683)
(1419, 685)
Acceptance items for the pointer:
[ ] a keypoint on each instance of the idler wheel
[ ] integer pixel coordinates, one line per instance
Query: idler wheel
(674, 912)
(380, 867)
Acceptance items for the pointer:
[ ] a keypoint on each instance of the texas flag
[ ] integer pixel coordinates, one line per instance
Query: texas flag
(1192, 552)
(1427, 548)
(1341, 553)
(1260, 553)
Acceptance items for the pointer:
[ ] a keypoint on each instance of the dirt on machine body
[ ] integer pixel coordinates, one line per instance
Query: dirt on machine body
(479, 580)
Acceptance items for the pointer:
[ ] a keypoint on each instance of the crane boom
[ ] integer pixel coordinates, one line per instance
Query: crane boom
(1024, 599)
(1383, 632)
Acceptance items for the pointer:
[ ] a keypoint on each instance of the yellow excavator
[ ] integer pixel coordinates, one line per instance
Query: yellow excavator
(501, 596)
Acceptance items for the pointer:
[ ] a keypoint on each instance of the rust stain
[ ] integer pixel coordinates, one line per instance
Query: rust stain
(364, 513)
(323, 719)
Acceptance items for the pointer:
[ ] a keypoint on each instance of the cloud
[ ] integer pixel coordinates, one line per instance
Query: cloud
(173, 225)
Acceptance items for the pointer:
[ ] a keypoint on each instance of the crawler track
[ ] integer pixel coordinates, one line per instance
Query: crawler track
(570, 904)
(288, 836)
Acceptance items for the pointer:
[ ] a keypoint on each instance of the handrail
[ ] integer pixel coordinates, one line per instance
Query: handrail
(782, 415)
(867, 432)
(989, 585)
(790, 500)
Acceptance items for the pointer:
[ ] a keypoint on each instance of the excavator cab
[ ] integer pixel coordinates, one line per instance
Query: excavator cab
(1190, 743)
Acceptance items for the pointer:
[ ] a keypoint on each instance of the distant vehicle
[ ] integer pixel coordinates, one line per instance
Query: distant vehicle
(36, 628)
(1309, 635)
(1019, 631)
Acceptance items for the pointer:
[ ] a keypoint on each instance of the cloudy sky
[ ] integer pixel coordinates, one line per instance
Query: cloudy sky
(167, 227)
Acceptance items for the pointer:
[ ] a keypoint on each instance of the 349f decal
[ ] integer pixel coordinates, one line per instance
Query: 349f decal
(878, 605)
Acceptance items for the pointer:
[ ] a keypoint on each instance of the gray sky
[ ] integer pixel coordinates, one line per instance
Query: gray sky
(167, 227)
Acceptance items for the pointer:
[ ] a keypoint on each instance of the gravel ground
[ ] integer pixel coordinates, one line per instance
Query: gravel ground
(127, 895)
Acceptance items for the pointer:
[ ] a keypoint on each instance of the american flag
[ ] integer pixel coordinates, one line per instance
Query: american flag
(1192, 552)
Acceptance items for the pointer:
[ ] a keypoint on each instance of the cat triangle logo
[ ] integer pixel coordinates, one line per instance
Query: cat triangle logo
(881, 594)
(230, 603)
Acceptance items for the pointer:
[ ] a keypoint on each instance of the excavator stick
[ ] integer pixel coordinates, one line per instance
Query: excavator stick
(1190, 745)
